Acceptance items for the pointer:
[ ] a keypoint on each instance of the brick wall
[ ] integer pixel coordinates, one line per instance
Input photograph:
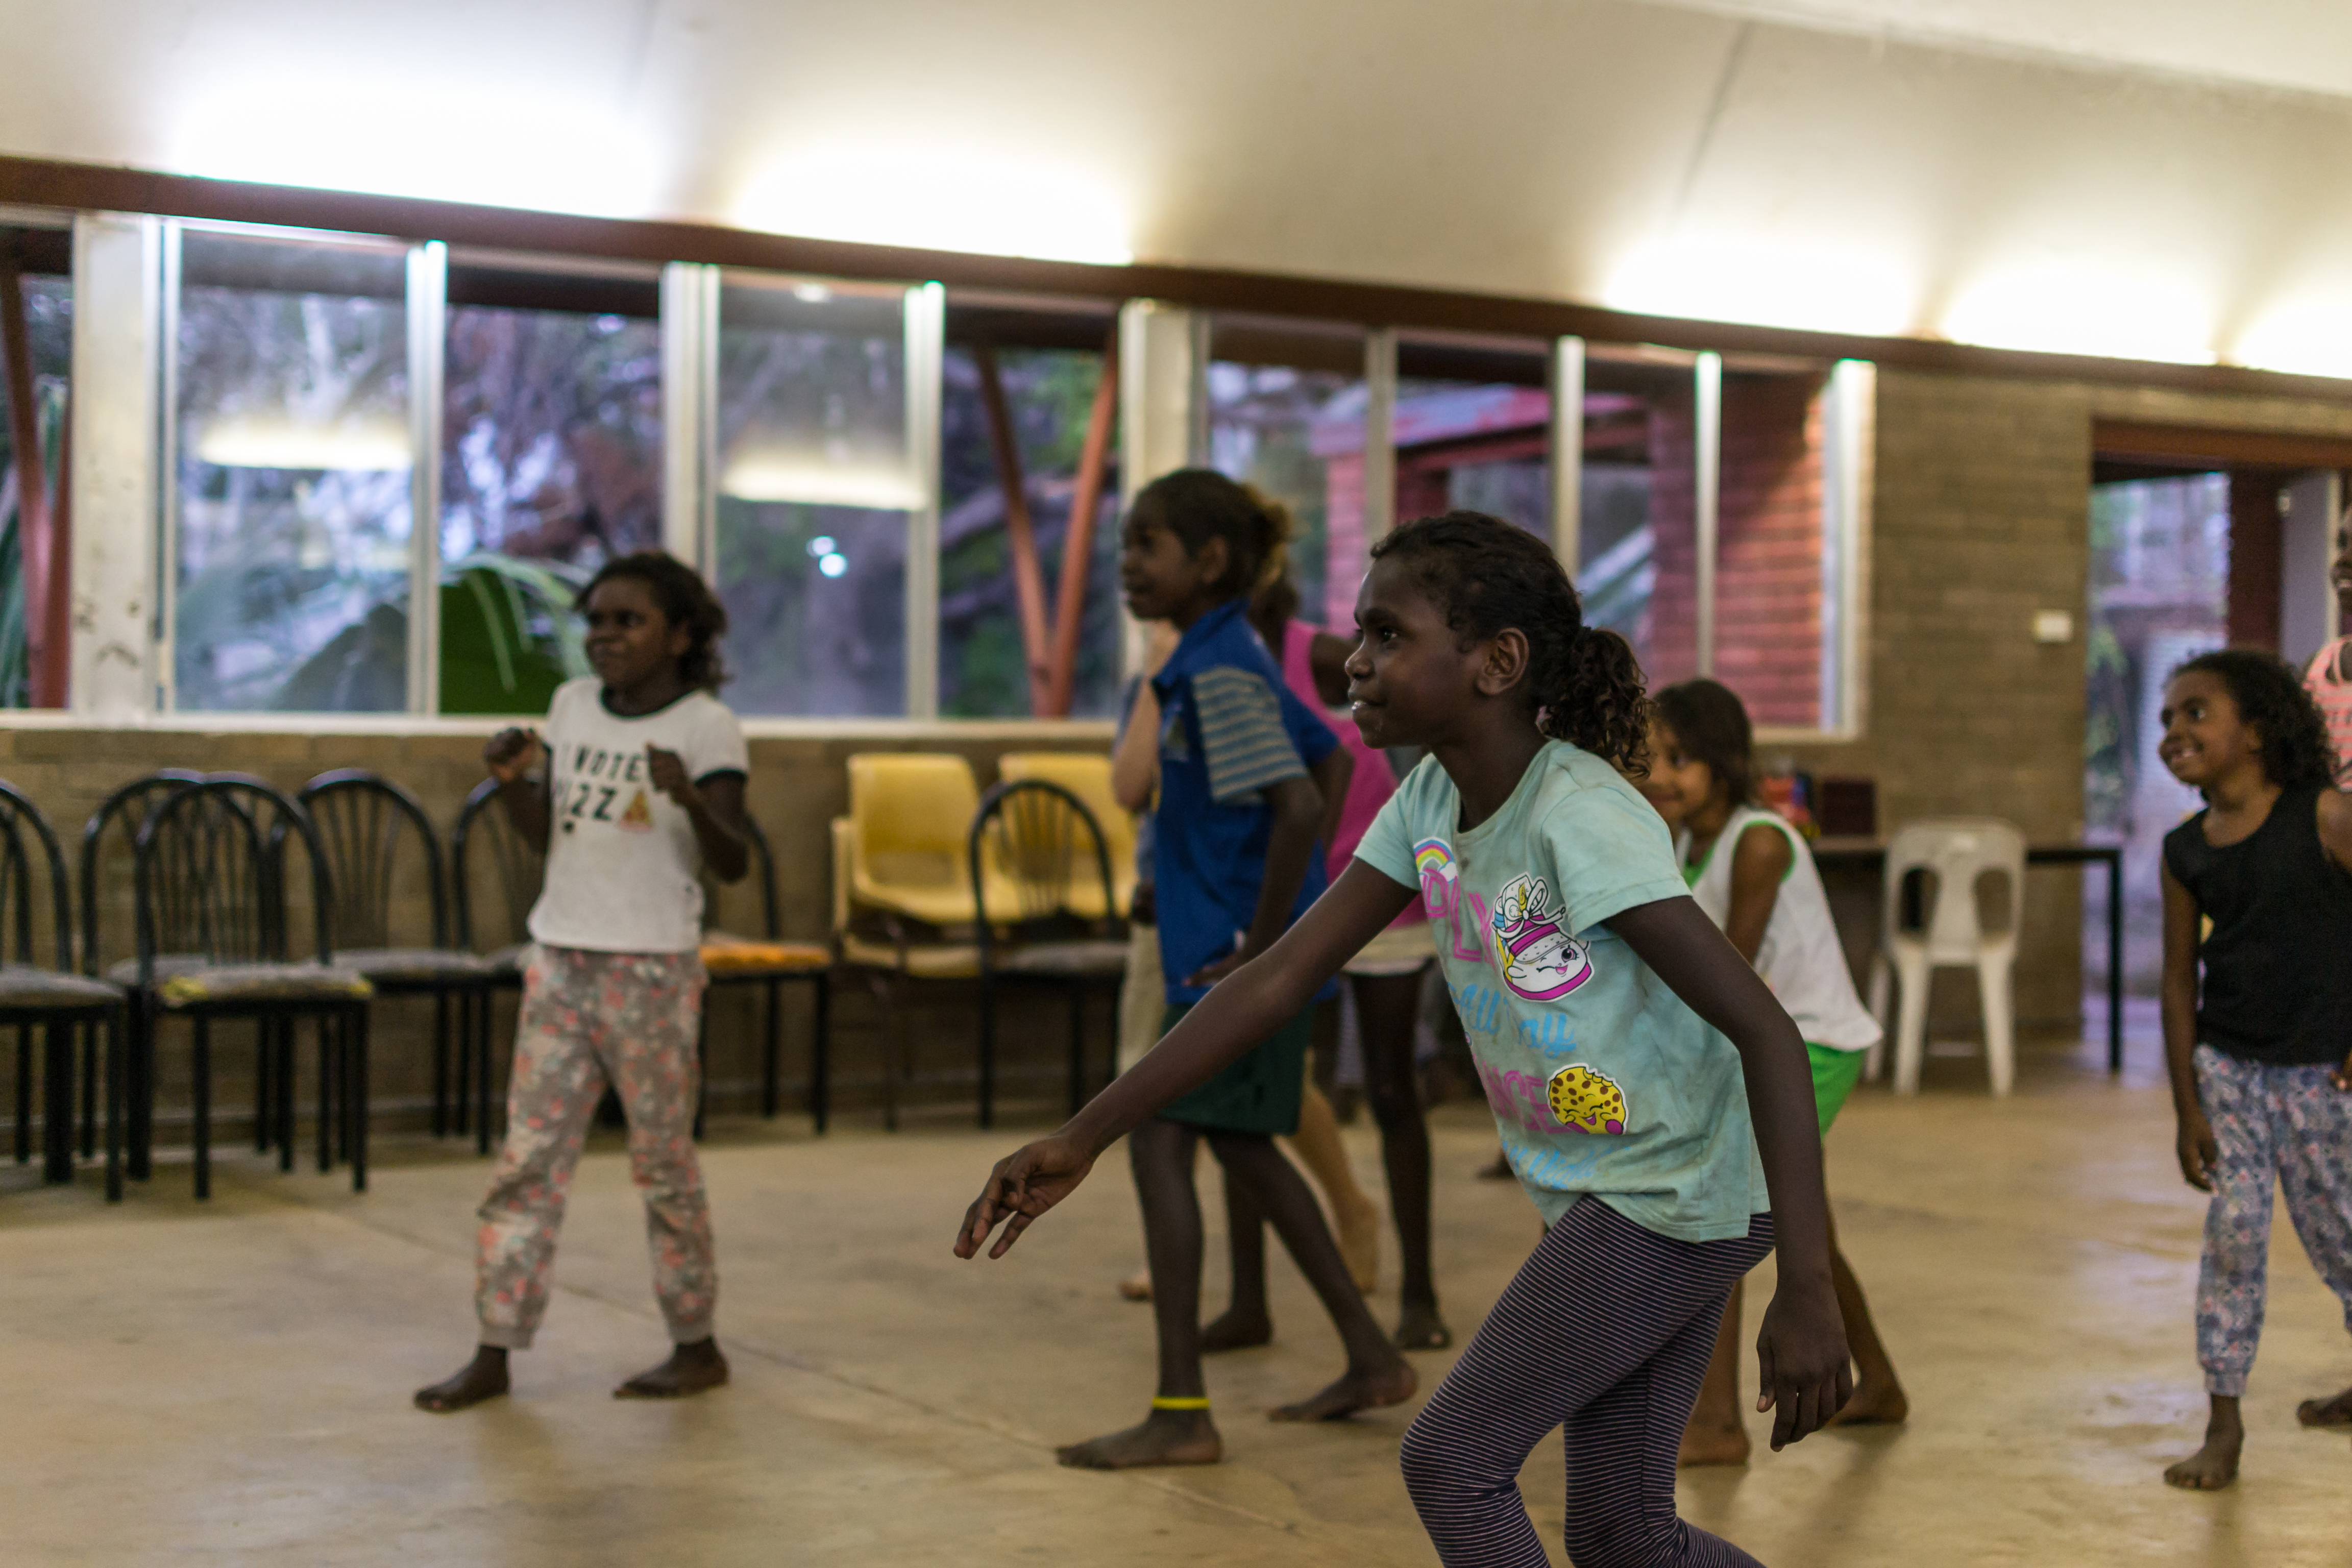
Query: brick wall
(1767, 596)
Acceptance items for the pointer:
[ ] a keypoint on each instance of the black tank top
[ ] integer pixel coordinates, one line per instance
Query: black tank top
(2278, 960)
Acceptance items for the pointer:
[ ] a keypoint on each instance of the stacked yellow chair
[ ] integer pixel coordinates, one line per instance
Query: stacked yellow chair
(1087, 774)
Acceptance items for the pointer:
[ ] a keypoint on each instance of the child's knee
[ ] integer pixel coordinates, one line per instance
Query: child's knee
(1440, 1463)
(665, 1166)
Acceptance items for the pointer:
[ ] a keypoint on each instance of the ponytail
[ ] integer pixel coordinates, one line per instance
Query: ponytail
(1200, 504)
(1486, 576)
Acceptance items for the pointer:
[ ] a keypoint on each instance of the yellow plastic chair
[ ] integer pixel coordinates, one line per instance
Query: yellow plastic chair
(1086, 775)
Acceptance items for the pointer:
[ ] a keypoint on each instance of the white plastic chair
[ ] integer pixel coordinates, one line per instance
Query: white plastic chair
(1955, 851)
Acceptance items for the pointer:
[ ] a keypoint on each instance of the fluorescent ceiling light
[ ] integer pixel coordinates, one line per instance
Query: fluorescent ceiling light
(761, 476)
(279, 443)
(937, 201)
(2304, 337)
(1764, 285)
(2084, 310)
(440, 145)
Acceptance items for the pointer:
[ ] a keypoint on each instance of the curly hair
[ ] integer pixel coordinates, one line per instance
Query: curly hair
(1709, 721)
(2270, 699)
(1200, 504)
(686, 600)
(1487, 575)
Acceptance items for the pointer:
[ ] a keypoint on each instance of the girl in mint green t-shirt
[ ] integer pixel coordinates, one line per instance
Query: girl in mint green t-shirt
(1655, 1101)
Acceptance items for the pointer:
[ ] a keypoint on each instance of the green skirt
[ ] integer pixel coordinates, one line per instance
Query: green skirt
(1259, 1093)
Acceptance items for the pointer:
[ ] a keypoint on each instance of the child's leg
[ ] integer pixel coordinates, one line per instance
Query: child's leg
(1161, 1152)
(1601, 1304)
(1716, 1432)
(2314, 1158)
(646, 1034)
(1376, 1373)
(1879, 1396)
(1388, 1006)
(551, 1095)
(1245, 1321)
(2231, 1272)
(1318, 1147)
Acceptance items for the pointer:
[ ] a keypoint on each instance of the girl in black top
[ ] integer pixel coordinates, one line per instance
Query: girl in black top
(2258, 905)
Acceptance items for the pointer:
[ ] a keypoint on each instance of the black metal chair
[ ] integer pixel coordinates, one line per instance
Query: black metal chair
(365, 822)
(483, 837)
(115, 823)
(1045, 846)
(54, 999)
(772, 963)
(211, 888)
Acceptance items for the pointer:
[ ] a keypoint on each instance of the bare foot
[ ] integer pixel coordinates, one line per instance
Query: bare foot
(1419, 1327)
(1500, 1170)
(1358, 1388)
(1709, 1445)
(1873, 1404)
(1136, 1287)
(1164, 1438)
(484, 1377)
(691, 1369)
(2215, 1465)
(2336, 1412)
(1235, 1330)
(1360, 1243)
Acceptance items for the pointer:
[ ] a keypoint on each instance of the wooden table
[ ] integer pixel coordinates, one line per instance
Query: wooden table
(1859, 853)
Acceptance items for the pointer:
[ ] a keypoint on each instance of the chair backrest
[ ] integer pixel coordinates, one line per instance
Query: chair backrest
(119, 818)
(20, 907)
(211, 875)
(1045, 846)
(763, 882)
(1086, 775)
(365, 822)
(1955, 851)
(908, 813)
(483, 836)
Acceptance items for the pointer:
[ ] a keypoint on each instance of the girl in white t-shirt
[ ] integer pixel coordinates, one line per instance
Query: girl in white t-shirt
(637, 783)
(1751, 873)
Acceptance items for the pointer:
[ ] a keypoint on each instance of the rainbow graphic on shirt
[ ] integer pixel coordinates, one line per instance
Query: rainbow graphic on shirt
(1538, 959)
(1441, 879)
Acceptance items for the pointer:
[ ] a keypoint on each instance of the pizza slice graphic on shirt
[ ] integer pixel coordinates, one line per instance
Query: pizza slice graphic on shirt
(639, 817)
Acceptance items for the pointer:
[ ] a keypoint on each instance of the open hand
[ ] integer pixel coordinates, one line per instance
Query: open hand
(2200, 1154)
(1035, 1179)
(513, 754)
(668, 772)
(1805, 1373)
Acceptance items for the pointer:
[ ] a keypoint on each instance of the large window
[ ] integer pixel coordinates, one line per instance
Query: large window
(36, 369)
(550, 466)
(1777, 553)
(291, 552)
(1472, 431)
(1286, 404)
(818, 477)
(1033, 379)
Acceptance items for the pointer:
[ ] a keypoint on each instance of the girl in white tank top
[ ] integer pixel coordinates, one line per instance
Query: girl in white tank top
(1751, 873)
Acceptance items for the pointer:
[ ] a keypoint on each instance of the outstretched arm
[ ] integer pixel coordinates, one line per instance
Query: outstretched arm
(1235, 1016)
(1801, 1351)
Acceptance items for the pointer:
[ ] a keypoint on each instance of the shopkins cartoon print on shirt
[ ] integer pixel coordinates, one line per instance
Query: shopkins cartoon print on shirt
(1538, 959)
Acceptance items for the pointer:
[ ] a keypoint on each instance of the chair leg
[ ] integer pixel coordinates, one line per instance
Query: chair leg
(891, 1043)
(821, 1056)
(265, 1112)
(24, 1094)
(282, 1044)
(461, 1120)
(2000, 1020)
(1078, 1045)
(86, 1030)
(356, 1044)
(57, 1101)
(440, 1064)
(771, 1047)
(1881, 976)
(1911, 1029)
(203, 1058)
(326, 1096)
(114, 1031)
(987, 1052)
(139, 1088)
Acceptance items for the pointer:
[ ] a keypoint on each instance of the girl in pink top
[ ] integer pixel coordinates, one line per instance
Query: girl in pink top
(1385, 978)
(2329, 678)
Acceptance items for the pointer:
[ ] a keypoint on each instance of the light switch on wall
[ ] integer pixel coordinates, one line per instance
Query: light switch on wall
(2054, 625)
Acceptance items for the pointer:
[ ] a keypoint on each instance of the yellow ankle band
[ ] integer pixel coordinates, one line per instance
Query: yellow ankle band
(1185, 1402)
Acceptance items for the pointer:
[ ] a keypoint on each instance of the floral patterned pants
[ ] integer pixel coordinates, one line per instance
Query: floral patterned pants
(2282, 1126)
(587, 1017)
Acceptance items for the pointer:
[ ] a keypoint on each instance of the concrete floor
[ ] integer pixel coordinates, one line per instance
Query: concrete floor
(229, 1383)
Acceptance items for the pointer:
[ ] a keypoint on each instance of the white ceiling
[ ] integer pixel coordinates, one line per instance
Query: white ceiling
(2147, 176)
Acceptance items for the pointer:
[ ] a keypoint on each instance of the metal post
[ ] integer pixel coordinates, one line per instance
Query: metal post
(926, 317)
(1568, 452)
(1706, 442)
(1380, 436)
(429, 295)
(689, 301)
(123, 438)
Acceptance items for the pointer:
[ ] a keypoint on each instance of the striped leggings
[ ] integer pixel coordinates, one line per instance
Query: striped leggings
(1606, 1333)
